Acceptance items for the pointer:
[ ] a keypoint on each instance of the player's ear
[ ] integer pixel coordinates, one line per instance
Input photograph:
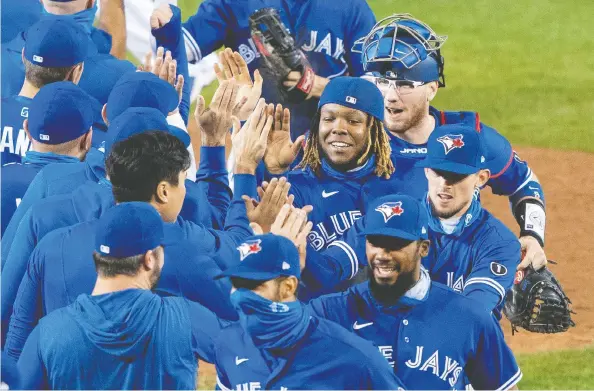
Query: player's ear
(104, 114)
(432, 90)
(149, 260)
(483, 177)
(86, 141)
(288, 288)
(424, 248)
(76, 73)
(26, 128)
(162, 192)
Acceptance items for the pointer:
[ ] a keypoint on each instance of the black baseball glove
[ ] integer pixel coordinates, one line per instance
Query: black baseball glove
(279, 54)
(538, 303)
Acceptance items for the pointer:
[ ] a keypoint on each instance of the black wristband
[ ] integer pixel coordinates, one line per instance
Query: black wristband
(531, 217)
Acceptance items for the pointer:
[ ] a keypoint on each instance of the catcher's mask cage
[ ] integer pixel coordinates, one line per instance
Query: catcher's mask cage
(401, 39)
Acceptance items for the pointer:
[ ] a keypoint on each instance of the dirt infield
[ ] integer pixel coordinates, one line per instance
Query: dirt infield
(569, 241)
(570, 226)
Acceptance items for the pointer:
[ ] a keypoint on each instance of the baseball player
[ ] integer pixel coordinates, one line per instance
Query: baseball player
(135, 89)
(471, 251)
(148, 167)
(403, 56)
(121, 335)
(59, 125)
(44, 63)
(278, 342)
(325, 42)
(433, 337)
(80, 11)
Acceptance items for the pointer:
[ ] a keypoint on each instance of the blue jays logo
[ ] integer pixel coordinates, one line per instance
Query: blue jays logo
(451, 141)
(248, 248)
(390, 209)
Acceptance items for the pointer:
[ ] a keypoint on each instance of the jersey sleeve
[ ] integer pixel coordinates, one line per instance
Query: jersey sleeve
(493, 270)
(27, 309)
(333, 307)
(206, 31)
(380, 375)
(31, 367)
(361, 22)
(35, 192)
(508, 172)
(222, 382)
(205, 328)
(492, 365)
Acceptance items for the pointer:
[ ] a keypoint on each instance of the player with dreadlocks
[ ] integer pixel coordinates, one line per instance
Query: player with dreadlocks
(346, 161)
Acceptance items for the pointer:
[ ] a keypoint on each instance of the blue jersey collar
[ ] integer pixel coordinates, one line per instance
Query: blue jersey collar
(471, 215)
(364, 171)
(44, 158)
(413, 297)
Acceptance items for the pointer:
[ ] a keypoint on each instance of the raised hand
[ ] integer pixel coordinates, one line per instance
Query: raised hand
(272, 197)
(233, 66)
(250, 142)
(292, 223)
(216, 120)
(281, 151)
(164, 67)
(161, 16)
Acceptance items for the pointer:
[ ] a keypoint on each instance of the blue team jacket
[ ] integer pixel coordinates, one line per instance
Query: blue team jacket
(434, 338)
(324, 30)
(16, 178)
(132, 339)
(61, 267)
(328, 357)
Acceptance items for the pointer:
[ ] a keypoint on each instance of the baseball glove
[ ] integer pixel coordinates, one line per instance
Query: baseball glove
(538, 303)
(279, 54)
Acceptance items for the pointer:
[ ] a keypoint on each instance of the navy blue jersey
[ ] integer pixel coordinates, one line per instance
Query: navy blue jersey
(508, 173)
(328, 357)
(434, 338)
(15, 142)
(132, 339)
(61, 267)
(324, 30)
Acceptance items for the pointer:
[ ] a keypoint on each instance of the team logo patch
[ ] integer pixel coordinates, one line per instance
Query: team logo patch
(390, 209)
(498, 269)
(278, 307)
(351, 100)
(44, 137)
(286, 266)
(249, 248)
(104, 249)
(38, 59)
(451, 141)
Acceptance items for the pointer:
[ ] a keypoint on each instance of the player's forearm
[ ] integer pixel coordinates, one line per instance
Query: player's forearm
(528, 207)
(112, 19)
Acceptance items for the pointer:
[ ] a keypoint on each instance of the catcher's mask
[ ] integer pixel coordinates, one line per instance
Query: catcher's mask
(399, 44)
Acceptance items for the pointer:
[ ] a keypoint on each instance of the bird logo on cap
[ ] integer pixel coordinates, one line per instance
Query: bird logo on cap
(451, 141)
(390, 209)
(248, 248)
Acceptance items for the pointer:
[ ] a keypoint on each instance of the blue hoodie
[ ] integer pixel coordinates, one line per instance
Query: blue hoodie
(132, 339)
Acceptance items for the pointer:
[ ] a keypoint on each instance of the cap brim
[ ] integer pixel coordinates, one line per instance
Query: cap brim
(180, 134)
(446, 165)
(391, 232)
(247, 274)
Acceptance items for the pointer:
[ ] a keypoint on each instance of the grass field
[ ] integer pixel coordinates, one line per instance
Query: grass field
(527, 68)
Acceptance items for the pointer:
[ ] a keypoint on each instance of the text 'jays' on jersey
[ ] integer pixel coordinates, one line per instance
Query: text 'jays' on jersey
(508, 172)
(434, 338)
(324, 30)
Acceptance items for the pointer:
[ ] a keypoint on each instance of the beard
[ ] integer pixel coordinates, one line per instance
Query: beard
(390, 294)
(154, 278)
(443, 215)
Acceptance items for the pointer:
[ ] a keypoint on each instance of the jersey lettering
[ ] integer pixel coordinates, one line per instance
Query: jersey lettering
(249, 53)
(414, 150)
(7, 143)
(251, 386)
(458, 285)
(325, 233)
(325, 45)
(387, 352)
(451, 368)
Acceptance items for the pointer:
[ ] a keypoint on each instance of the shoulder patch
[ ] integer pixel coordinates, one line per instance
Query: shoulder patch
(498, 269)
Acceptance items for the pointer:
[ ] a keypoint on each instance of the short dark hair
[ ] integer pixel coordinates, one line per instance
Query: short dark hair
(111, 267)
(40, 76)
(136, 166)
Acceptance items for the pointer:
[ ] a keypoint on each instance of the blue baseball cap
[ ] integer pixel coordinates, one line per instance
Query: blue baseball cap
(56, 42)
(455, 148)
(141, 89)
(128, 229)
(265, 257)
(356, 93)
(426, 70)
(396, 215)
(137, 120)
(61, 112)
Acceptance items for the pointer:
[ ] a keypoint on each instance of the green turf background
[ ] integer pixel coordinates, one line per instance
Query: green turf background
(528, 68)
